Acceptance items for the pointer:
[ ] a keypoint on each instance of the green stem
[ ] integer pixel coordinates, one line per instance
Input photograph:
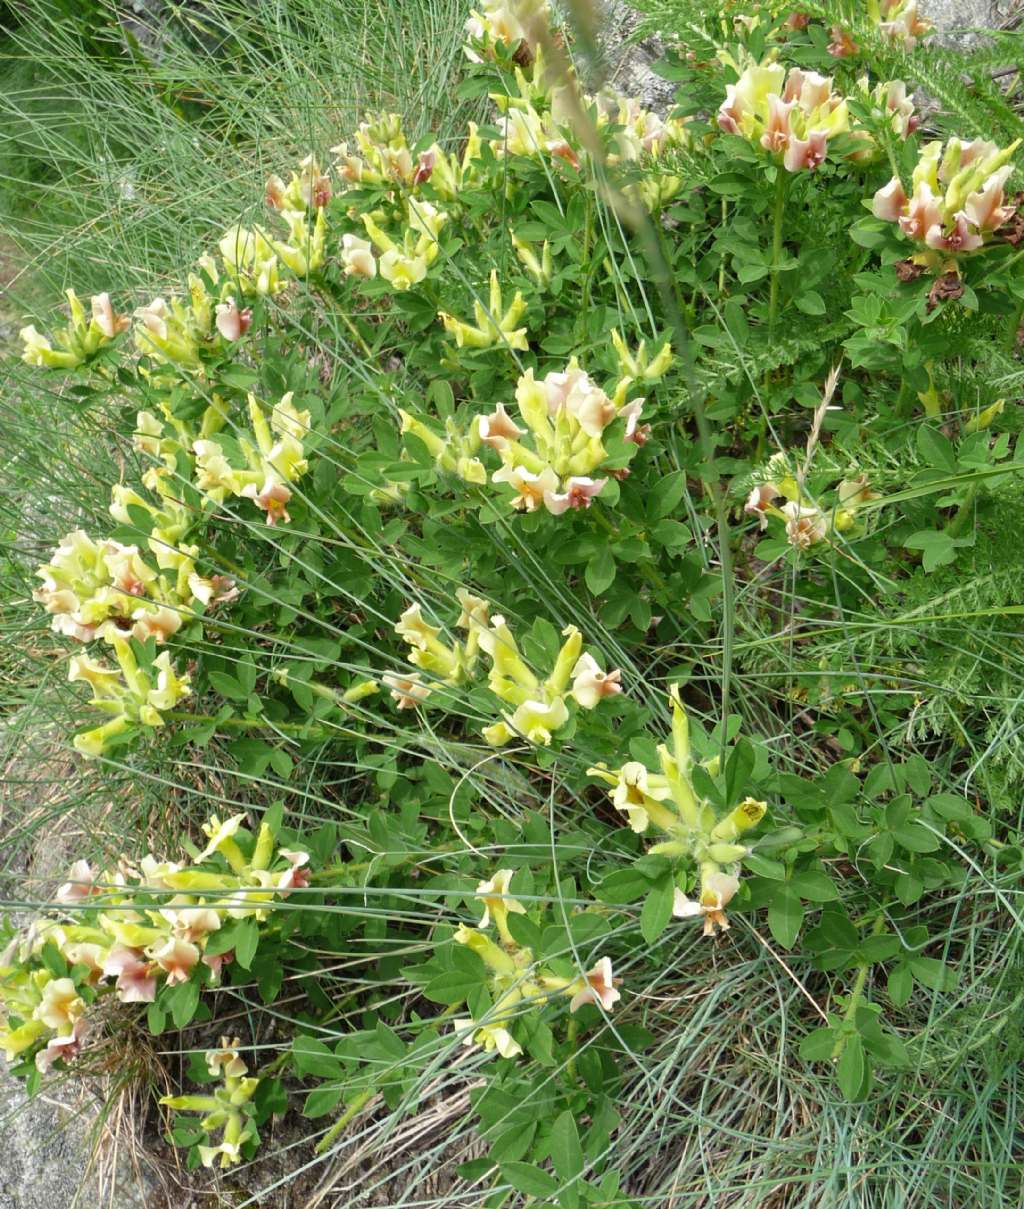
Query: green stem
(858, 990)
(571, 1037)
(781, 189)
(353, 1109)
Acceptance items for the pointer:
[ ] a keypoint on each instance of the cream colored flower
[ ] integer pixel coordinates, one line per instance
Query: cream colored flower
(717, 890)
(599, 987)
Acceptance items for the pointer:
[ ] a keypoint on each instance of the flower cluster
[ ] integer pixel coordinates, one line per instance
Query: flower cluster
(107, 590)
(792, 116)
(566, 415)
(79, 340)
(272, 461)
(885, 104)
(668, 800)
(806, 522)
(516, 981)
(135, 695)
(900, 21)
(129, 932)
(512, 24)
(402, 264)
(449, 663)
(228, 1109)
(539, 704)
(550, 463)
(956, 202)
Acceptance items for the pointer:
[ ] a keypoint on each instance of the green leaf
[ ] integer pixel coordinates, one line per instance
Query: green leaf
(900, 984)
(529, 1178)
(932, 973)
(853, 1069)
(818, 1046)
(566, 1151)
(814, 886)
(622, 886)
(811, 303)
(916, 838)
(312, 1057)
(657, 909)
(183, 1001)
(451, 987)
(666, 494)
(785, 915)
(321, 1101)
(936, 449)
(600, 572)
(247, 939)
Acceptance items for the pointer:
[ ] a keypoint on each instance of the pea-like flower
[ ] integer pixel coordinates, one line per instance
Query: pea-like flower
(496, 895)
(791, 116)
(957, 200)
(598, 986)
(79, 340)
(489, 1037)
(591, 685)
(900, 21)
(357, 257)
(695, 832)
(551, 463)
(716, 892)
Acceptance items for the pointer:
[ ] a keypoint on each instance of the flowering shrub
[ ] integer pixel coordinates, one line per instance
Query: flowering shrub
(587, 364)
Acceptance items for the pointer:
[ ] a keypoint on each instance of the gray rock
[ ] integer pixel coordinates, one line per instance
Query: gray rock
(953, 19)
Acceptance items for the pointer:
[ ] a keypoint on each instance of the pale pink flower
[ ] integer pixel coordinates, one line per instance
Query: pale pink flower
(154, 317)
(804, 525)
(590, 685)
(80, 883)
(296, 876)
(107, 320)
(842, 44)
(233, 323)
(985, 208)
(809, 88)
(424, 168)
(498, 428)
(760, 498)
(531, 489)
(272, 497)
(730, 111)
(960, 237)
(890, 201)
(717, 890)
(579, 493)
(636, 433)
(777, 132)
(600, 988)
(176, 958)
(275, 193)
(135, 980)
(191, 923)
(806, 154)
(226, 1063)
(923, 213)
(161, 623)
(65, 1047)
(91, 956)
(216, 961)
(407, 690)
